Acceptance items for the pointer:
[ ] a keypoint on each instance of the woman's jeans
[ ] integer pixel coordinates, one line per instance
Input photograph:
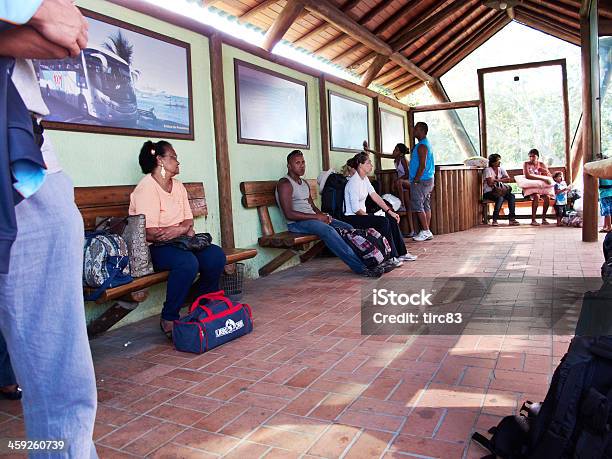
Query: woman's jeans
(499, 201)
(184, 266)
(332, 240)
(386, 226)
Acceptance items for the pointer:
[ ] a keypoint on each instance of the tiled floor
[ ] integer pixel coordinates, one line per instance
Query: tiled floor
(307, 384)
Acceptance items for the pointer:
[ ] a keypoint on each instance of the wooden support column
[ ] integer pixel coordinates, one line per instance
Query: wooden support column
(566, 114)
(588, 39)
(224, 181)
(373, 70)
(377, 134)
(454, 122)
(324, 123)
(279, 27)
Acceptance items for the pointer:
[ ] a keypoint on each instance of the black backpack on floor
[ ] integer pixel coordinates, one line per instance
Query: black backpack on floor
(574, 419)
(606, 268)
(332, 196)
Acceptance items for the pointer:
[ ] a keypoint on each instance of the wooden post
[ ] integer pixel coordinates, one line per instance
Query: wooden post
(224, 181)
(324, 123)
(454, 122)
(566, 115)
(373, 70)
(377, 134)
(588, 34)
(482, 115)
(279, 27)
(411, 129)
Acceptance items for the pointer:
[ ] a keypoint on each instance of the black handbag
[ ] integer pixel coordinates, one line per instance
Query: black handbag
(200, 241)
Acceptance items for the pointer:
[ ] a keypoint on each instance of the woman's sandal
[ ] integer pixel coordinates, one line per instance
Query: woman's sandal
(11, 395)
(168, 333)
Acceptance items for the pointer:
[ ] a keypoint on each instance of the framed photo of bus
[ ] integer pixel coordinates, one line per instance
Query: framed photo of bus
(128, 81)
(348, 123)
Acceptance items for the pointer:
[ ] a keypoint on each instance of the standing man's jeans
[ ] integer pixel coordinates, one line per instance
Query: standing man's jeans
(42, 319)
(499, 201)
(332, 240)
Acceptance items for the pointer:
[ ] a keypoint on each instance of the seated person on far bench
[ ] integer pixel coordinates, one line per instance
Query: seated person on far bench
(293, 198)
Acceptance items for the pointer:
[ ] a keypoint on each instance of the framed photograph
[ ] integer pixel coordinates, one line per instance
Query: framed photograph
(271, 108)
(348, 123)
(393, 130)
(128, 81)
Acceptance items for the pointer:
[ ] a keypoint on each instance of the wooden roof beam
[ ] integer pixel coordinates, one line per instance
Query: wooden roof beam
(559, 8)
(510, 13)
(340, 20)
(382, 78)
(279, 27)
(409, 36)
(380, 7)
(246, 16)
(551, 15)
(476, 40)
(373, 70)
(346, 7)
(547, 27)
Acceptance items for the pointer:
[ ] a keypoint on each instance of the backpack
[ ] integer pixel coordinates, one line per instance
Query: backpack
(369, 245)
(106, 263)
(606, 268)
(332, 196)
(573, 421)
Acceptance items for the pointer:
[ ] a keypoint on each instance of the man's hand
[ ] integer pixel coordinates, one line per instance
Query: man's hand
(324, 218)
(60, 22)
(26, 43)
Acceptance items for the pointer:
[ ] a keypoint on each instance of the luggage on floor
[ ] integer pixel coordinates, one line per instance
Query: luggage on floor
(574, 419)
(368, 244)
(213, 320)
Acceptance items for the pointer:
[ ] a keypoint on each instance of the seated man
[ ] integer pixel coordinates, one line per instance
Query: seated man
(293, 197)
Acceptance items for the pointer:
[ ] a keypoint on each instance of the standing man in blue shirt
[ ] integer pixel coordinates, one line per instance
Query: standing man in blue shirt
(41, 237)
(422, 168)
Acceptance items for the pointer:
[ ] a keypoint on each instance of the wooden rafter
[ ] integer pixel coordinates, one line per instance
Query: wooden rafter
(549, 14)
(560, 8)
(333, 15)
(532, 22)
(245, 17)
(409, 88)
(346, 7)
(291, 11)
(373, 69)
(439, 42)
(480, 37)
(331, 43)
(382, 78)
(409, 36)
(379, 8)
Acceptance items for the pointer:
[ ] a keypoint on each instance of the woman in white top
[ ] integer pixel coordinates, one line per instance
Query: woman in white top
(494, 177)
(357, 189)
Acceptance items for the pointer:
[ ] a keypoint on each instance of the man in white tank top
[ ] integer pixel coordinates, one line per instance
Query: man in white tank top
(303, 216)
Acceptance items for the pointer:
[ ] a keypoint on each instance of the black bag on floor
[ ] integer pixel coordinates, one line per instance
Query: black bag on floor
(574, 419)
(606, 268)
(332, 196)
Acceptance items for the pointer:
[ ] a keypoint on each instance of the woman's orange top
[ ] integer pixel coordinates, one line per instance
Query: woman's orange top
(161, 209)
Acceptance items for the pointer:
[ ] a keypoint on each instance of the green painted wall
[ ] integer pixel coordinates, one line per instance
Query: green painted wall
(101, 159)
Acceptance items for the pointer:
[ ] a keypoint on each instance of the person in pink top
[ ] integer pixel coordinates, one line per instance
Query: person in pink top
(534, 169)
(164, 202)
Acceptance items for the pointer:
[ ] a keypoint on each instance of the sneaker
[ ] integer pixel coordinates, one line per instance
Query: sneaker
(408, 257)
(396, 262)
(429, 235)
(423, 236)
(373, 272)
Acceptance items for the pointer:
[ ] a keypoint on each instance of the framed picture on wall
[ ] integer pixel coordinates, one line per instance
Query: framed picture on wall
(393, 130)
(348, 123)
(271, 108)
(128, 81)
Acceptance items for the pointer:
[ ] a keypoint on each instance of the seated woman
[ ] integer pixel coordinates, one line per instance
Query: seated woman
(534, 169)
(493, 175)
(356, 191)
(164, 202)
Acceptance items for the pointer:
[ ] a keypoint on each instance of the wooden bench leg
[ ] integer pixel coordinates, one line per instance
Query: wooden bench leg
(110, 317)
(276, 263)
(485, 213)
(312, 252)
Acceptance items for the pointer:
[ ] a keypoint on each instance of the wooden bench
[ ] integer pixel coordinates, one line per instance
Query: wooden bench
(114, 201)
(521, 201)
(386, 182)
(260, 195)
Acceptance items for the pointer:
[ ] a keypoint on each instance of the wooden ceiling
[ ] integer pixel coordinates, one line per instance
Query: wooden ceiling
(434, 35)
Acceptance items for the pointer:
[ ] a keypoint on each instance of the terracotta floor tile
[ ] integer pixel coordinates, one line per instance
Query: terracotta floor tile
(132, 430)
(334, 441)
(207, 441)
(177, 414)
(178, 451)
(247, 450)
(297, 442)
(305, 402)
(370, 444)
(247, 422)
(154, 439)
(331, 407)
(426, 447)
(222, 416)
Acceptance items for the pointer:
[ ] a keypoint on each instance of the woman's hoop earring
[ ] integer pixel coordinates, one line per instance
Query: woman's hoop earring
(163, 171)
